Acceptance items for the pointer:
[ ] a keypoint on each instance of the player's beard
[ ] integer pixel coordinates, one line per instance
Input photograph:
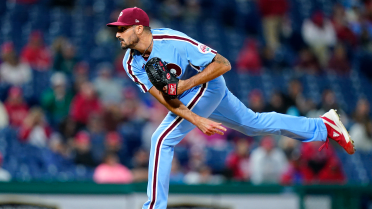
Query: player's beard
(132, 41)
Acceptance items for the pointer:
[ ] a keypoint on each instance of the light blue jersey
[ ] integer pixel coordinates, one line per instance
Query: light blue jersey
(213, 100)
(181, 53)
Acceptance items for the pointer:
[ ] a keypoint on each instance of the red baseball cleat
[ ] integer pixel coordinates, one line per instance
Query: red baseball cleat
(337, 131)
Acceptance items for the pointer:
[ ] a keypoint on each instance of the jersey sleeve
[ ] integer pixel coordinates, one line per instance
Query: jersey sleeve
(198, 54)
(138, 76)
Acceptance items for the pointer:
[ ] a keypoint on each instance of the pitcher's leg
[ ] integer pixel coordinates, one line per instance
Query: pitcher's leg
(160, 164)
(171, 131)
(234, 114)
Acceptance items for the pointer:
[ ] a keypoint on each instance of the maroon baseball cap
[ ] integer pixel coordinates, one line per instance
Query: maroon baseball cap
(131, 16)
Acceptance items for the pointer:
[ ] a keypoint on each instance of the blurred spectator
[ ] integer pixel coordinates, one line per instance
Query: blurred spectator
(105, 36)
(35, 53)
(329, 101)
(114, 144)
(11, 70)
(82, 150)
(354, 18)
(65, 60)
(56, 101)
(192, 10)
(268, 58)
(112, 117)
(256, 101)
(97, 134)
(365, 38)
(196, 158)
(339, 62)
(238, 161)
(68, 128)
(84, 104)
(16, 108)
(276, 103)
(365, 59)
(249, 58)
(319, 34)
(108, 89)
(339, 20)
(155, 23)
(289, 147)
(295, 98)
(196, 139)
(57, 45)
(362, 111)
(112, 172)
(58, 146)
(367, 6)
(140, 163)
(361, 131)
(80, 75)
(34, 129)
(95, 124)
(118, 64)
(158, 113)
(60, 155)
(4, 118)
(171, 9)
(307, 62)
(176, 175)
(4, 174)
(272, 12)
(322, 167)
(202, 176)
(267, 162)
(132, 108)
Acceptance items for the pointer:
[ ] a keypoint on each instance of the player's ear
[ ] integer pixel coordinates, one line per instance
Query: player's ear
(139, 29)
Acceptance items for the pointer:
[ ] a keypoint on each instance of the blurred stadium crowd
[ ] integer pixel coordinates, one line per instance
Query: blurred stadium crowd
(69, 112)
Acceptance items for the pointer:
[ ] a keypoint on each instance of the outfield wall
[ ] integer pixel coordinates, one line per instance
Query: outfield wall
(84, 195)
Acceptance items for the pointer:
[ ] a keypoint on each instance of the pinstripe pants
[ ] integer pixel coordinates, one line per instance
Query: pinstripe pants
(215, 101)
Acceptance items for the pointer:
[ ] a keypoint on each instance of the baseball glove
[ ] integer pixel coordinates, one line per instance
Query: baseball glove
(160, 76)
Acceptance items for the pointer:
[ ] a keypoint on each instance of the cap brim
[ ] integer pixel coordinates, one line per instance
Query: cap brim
(115, 24)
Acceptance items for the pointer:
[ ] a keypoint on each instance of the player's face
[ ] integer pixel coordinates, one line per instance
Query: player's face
(127, 36)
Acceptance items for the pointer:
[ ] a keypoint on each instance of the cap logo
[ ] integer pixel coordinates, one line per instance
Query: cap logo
(137, 21)
(121, 13)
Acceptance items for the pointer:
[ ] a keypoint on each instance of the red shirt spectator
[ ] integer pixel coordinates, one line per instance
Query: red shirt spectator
(35, 53)
(322, 167)
(273, 7)
(340, 25)
(238, 160)
(15, 106)
(85, 103)
(249, 58)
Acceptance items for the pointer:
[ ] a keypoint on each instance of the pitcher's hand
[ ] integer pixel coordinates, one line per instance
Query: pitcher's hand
(181, 87)
(209, 127)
